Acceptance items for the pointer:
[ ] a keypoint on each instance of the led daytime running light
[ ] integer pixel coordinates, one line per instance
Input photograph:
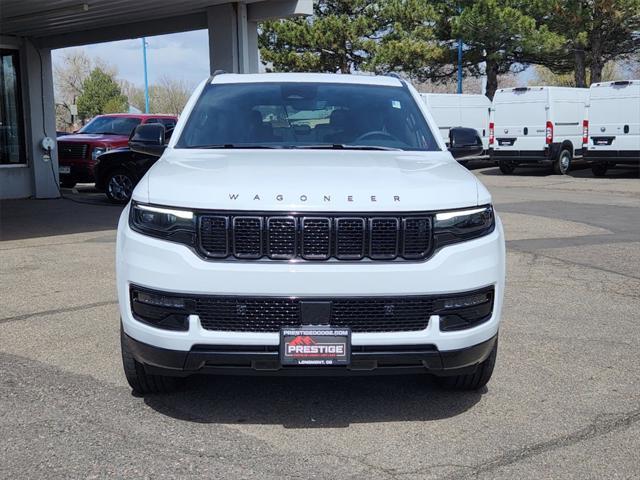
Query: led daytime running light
(177, 213)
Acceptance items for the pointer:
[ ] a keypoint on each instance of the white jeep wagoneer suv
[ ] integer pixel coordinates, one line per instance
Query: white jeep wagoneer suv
(308, 224)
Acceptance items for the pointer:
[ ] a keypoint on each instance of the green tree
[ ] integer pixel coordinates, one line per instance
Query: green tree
(339, 37)
(100, 94)
(408, 40)
(499, 36)
(349, 35)
(596, 32)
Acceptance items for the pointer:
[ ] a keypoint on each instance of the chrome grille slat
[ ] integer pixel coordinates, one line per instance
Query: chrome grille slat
(315, 237)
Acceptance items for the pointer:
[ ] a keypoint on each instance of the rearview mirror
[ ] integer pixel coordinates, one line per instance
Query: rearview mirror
(149, 139)
(464, 142)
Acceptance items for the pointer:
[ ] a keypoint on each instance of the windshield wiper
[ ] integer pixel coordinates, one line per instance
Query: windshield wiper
(230, 145)
(342, 146)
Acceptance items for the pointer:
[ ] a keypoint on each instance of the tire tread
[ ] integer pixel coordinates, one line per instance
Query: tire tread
(139, 380)
(475, 380)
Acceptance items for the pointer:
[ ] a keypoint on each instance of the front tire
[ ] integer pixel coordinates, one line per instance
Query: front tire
(67, 183)
(506, 167)
(139, 380)
(563, 164)
(119, 186)
(599, 170)
(475, 380)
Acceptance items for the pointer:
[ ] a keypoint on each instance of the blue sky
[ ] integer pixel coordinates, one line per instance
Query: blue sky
(182, 56)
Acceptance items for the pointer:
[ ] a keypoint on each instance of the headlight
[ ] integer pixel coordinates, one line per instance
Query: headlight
(167, 223)
(461, 225)
(98, 151)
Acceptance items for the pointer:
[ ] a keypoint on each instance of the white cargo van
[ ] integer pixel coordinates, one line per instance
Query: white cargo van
(537, 125)
(613, 114)
(459, 110)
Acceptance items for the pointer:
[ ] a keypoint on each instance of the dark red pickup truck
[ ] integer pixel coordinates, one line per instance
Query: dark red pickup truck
(77, 152)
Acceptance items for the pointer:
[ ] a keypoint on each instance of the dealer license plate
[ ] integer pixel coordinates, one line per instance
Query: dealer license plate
(64, 170)
(315, 346)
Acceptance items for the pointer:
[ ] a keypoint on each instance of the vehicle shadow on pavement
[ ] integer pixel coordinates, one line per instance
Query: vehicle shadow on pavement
(581, 171)
(79, 212)
(312, 402)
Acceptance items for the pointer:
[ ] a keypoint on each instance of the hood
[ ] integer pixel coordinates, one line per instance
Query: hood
(309, 180)
(93, 138)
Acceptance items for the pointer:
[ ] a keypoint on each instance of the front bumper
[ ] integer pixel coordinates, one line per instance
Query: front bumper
(81, 171)
(264, 359)
(165, 266)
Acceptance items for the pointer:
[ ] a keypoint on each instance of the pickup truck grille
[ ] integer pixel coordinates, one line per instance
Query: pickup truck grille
(315, 237)
(72, 151)
(270, 314)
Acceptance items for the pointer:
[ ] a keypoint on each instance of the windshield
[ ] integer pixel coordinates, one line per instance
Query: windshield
(306, 115)
(111, 125)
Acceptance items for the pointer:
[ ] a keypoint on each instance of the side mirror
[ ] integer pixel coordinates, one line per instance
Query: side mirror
(464, 142)
(149, 139)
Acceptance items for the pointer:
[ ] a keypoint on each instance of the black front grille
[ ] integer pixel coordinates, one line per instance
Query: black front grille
(315, 237)
(73, 151)
(281, 237)
(247, 237)
(269, 314)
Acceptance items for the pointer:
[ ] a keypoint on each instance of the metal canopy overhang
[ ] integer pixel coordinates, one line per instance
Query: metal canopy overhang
(65, 23)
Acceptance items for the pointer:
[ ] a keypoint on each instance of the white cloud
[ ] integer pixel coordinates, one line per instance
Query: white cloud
(183, 56)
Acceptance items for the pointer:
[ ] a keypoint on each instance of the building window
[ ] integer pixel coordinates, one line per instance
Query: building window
(12, 149)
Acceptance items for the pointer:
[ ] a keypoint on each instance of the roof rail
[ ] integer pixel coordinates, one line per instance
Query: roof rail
(214, 74)
(398, 76)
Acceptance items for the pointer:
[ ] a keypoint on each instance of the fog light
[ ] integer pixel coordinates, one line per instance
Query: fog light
(463, 302)
(465, 311)
(160, 300)
(162, 311)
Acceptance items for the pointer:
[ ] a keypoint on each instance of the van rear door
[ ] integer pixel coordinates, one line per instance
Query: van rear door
(520, 118)
(614, 117)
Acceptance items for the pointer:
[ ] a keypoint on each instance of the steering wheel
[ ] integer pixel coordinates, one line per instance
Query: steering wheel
(376, 133)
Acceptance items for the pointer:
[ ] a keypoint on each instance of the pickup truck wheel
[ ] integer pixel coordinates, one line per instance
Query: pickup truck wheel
(562, 165)
(506, 167)
(599, 170)
(140, 381)
(119, 186)
(472, 381)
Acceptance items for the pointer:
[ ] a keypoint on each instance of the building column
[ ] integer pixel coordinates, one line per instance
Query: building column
(233, 39)
(41, 120)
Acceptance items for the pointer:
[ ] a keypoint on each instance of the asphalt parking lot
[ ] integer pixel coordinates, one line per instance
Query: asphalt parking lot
(564, 401)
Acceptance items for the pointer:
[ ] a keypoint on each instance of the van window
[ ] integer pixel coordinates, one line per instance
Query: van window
(618, 110)
(520, 113)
